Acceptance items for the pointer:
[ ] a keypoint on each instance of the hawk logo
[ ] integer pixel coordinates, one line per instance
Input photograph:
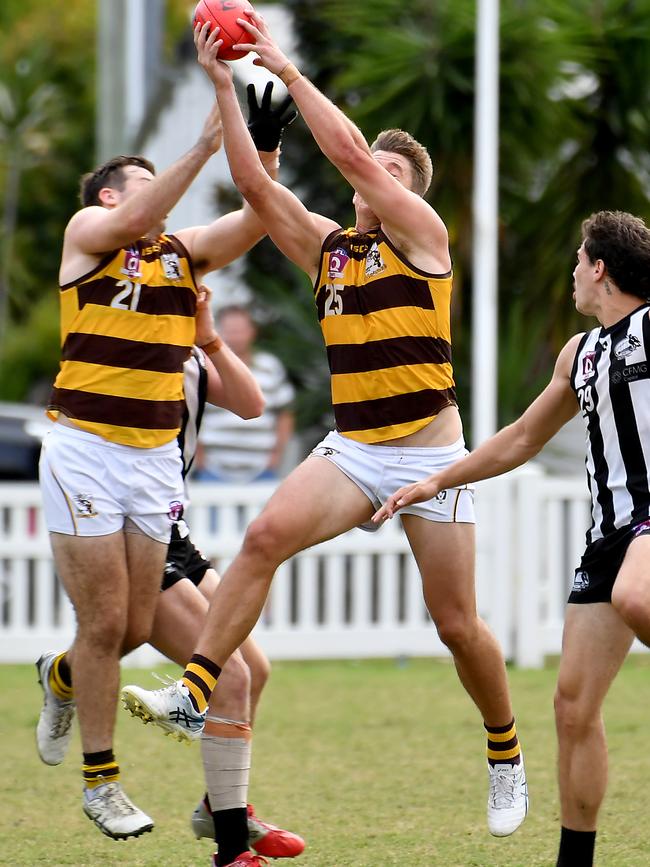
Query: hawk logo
(171, 266)
(84, 504)
(374, 262)
(580, 581)
(627, 346)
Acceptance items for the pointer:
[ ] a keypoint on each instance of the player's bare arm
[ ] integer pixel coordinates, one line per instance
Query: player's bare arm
(382, 182)
(231, 384)
(509, 448)
(297, 232)
(230, 236)
(96, 230)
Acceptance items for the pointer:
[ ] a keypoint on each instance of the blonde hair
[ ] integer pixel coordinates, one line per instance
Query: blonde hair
(397, 141)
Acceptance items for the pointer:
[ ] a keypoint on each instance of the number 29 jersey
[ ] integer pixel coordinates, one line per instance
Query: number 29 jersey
(386, 326)
(611, 380)
(126, 330)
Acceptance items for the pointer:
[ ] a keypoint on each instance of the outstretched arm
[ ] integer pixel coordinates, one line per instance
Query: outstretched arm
(509, 448)
(230, 382)
(95, 230)
(411, 223)
(294, 229)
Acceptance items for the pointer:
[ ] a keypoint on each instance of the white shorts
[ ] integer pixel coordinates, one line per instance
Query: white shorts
(380, 470)
(93, 487)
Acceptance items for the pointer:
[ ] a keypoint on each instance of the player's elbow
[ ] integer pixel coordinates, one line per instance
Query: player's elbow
(254, 406)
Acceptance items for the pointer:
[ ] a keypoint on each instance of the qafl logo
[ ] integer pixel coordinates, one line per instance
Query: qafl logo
(175, 510)
(337, 262)
(588, 366)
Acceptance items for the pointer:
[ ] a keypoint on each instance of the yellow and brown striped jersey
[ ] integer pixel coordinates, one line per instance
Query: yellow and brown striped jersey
(126, 329)
(387, 332)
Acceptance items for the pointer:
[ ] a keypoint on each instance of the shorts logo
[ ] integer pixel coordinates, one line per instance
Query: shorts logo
(84, 504)
(580, 581)
(175, 510)
(324, 451)
(642, 528)
(441, 496)
(627, 346)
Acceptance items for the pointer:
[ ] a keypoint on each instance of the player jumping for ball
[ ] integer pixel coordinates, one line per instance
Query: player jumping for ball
(382, 291)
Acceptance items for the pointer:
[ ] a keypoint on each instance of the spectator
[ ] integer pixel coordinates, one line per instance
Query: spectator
(237, 450)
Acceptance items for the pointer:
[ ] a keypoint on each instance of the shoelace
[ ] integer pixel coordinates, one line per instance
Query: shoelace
(503, 789)
(63, 713)
(115, 798)
(166, 679)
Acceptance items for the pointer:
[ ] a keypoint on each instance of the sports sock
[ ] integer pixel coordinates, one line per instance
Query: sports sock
(503, 744)
(226, 751)
(99, 768)
(576, 848)
(200, 677)
(60, 678)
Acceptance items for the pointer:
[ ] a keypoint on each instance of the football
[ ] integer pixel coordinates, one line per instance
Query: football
(224, 14)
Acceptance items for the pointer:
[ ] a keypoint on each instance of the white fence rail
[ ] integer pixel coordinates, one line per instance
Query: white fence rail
(355, 596)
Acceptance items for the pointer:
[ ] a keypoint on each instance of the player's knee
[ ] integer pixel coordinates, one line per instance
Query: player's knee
(455, 630)
(633, 606)
(104, 634)
(266, 540)
(574, 717)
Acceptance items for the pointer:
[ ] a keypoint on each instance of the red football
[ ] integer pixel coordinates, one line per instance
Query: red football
(224, 14)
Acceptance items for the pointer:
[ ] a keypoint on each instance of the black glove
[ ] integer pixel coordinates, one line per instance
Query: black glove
(265, 123)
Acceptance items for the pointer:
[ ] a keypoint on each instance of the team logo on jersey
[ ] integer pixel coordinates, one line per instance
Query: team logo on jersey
(175, 510)
(588, 366)
(84, 504)
(374, 262)
(131, 263)
(171, 266)
(580, 581)
(627, 346)
(337, 262)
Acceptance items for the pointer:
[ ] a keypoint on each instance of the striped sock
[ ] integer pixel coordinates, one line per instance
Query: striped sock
(503, 744)
(60, 678)
(99, 768)
(200, 677)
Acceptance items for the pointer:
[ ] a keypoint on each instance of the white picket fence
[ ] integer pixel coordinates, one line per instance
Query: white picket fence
(355, 596)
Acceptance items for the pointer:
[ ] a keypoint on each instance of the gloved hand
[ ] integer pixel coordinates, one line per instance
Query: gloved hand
(266, 123)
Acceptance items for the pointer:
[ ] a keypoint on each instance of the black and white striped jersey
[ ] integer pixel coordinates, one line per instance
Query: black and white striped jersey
(195, 387)
(611, 379)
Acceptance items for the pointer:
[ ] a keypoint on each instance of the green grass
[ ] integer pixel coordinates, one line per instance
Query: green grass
(374, 763)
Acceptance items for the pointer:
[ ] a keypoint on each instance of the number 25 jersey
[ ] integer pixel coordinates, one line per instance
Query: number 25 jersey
(386, 326)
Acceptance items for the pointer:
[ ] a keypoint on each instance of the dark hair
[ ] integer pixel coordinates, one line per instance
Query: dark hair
(397, 141)
(111, 174)
(622, 241)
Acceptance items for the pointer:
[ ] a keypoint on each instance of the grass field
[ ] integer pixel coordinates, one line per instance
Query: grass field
(374, 763)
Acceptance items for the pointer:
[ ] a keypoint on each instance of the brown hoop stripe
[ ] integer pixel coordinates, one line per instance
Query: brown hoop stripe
(132, 412)
(392, 410)
(153, 300)
(119, 352)
(199, 683)
(383, 293)
(502, 746)
(392, 352)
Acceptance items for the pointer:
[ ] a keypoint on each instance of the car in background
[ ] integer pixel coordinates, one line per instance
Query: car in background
(22, 428)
